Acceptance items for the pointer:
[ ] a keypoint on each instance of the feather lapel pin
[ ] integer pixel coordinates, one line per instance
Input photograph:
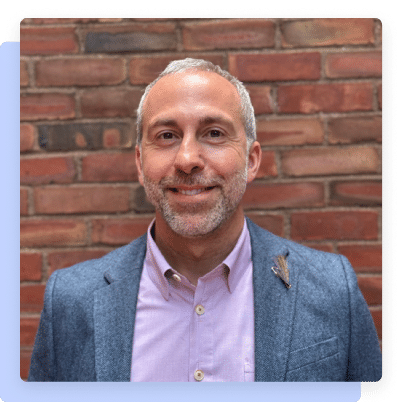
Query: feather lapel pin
(281, 269)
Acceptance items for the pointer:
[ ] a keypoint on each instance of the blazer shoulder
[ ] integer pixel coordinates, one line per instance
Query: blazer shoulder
(96, 273)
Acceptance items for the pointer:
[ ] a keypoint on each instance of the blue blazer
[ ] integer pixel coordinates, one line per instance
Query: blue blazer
(319, 329)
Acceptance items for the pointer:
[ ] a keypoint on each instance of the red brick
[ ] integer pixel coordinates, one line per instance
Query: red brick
(27, 137)
(377, 317)
(313, 98)
(227, 34)
(362, 192)
(31, 298)
(261, 98)
(363, 257)
(109, 167)
(23, 74)
(47, 170)
(64, 259)
(275, 67)
(334, 225)
(327, 161)
(112, 138)
(344, 130)
(283, 195)
(28, 329)
(145, 69)
(133, 37)
(80, 72)
(110, 102)
(273, 223)
(268, 165)
(290, 132)
(48, 41)
(23, 201)
(31, 266)
(88, 135)
(47, 106)
(63, 232)
(119, 231)
(72, 200)
(371, 288)
(354, 65)
(327, 32)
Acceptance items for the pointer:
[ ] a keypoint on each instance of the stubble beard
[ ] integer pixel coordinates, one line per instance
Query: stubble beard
(192, 220)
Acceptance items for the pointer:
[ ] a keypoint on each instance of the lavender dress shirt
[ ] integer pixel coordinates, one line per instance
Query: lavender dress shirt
(195, 333)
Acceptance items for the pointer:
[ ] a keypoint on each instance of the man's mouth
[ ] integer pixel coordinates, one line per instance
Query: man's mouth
(189, 191)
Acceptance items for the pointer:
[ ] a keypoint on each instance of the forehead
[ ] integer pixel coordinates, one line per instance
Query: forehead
(192, 92)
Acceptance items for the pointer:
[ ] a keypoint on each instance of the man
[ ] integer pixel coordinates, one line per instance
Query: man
(206, 295)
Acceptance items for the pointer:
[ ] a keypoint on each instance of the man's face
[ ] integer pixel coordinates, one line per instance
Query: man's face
(193, 159)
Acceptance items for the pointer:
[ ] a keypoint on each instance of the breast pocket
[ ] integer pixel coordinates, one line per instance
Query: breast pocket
(317, 362)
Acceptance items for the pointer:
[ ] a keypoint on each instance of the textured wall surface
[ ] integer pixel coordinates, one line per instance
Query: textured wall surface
(316, 86)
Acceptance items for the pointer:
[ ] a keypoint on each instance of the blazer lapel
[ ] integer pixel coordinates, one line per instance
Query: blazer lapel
(114, 316)
(274, 305)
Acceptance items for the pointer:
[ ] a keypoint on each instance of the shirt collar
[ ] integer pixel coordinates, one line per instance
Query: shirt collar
(232, 267)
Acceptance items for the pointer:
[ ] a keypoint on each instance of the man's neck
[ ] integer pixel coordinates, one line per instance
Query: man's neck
(194, 257)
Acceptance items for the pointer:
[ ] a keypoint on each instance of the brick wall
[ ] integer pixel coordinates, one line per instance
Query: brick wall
(317, 92)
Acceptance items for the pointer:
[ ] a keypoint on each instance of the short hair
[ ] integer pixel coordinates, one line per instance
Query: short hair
(178, 66)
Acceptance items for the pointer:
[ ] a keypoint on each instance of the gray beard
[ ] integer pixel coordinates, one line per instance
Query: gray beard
(198, 219)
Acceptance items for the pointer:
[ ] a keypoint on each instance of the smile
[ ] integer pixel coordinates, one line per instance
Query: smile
(191, 192)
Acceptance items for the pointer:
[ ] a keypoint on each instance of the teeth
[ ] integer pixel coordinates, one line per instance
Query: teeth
(191, 192)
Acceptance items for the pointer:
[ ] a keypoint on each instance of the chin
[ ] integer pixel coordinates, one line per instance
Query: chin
(195, 225)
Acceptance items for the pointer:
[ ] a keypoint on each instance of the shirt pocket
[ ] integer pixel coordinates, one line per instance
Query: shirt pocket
(248, 372)
(313, 353)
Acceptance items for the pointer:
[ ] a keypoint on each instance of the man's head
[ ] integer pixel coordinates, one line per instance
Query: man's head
(195, 156)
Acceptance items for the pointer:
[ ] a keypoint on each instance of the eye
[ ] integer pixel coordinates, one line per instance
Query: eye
(167, 136)
(215, 133)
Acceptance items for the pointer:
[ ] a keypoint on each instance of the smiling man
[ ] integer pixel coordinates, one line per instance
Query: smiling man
(194, 162)
(205, 295)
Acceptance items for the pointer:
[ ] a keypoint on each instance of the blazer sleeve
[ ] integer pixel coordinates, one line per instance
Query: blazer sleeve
(42, 366)
(365, 358)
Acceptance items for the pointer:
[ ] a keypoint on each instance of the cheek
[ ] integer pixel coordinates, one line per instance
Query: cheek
(229, 162)
(156, 166)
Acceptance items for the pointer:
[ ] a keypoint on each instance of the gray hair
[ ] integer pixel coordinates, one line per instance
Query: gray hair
(179, 66)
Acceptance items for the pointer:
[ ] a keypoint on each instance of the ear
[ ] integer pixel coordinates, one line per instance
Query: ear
(254, 161)
(139, 163)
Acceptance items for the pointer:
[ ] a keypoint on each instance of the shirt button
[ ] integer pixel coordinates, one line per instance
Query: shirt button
(176, 277)
(198, 375)
(200, 309)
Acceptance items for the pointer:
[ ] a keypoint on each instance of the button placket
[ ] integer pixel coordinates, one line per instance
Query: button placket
(201, 360)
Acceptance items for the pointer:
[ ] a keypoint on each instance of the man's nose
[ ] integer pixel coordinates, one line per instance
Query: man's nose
(189, 157)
